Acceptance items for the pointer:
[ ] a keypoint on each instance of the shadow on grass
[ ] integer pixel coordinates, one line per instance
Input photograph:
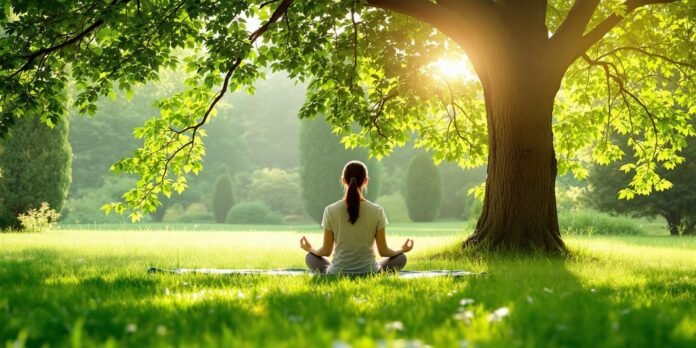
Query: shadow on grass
(44, 293)
(550, 305)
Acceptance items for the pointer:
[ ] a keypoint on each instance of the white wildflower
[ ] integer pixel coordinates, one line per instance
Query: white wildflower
(395, 326)
(499, 314)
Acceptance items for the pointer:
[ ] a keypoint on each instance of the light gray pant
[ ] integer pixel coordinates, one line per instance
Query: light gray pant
(320, 264)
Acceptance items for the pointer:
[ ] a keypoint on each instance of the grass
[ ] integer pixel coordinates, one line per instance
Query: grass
(597, 223)
(440, 228)
(89, 288)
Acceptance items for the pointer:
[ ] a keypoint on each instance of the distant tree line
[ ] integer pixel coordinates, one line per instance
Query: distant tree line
(262, 164)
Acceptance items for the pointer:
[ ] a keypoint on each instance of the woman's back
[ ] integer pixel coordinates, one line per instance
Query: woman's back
(353, 242)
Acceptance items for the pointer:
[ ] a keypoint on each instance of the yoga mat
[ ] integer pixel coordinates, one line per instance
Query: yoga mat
(300, 272)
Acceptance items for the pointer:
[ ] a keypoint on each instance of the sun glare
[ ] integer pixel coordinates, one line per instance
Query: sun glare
(453, 69)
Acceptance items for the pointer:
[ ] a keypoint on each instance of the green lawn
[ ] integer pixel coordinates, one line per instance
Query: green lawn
(440, 228)
(90, 288)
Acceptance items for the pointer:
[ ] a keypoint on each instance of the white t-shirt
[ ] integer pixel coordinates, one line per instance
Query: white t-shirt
(353, 243)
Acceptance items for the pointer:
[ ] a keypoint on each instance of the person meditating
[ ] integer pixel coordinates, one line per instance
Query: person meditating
(353, 225)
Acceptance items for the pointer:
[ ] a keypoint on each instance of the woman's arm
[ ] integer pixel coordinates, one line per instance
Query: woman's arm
(325, 250)
(383, 249)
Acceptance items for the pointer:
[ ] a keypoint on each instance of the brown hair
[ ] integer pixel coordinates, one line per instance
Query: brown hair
(354, 175)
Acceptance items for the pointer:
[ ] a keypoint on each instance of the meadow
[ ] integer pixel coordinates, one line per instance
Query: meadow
(80, 287)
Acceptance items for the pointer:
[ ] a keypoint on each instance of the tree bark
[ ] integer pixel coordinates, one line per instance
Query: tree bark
(673, 222)
(673, 229)
(519, 208)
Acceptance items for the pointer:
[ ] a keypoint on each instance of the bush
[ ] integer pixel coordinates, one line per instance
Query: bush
(223, 198)
(279, 189)
(255, 212)
(172, 213)
(570, 198)
(322, 157)
(196, 212)
(36, 167)
(423, 189)
(595, 223)
(38, 220)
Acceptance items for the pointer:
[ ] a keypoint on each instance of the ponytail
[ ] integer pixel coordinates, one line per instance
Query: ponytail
(354, 174)
(353, 200)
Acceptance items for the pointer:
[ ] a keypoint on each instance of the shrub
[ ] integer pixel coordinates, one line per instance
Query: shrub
(172, 213)
(596, 223)
(177, 202)
(223, 198)
(36, 167)
(38, 220)
(423, 189)
(322, 157)
(253, 213)
(279, 189)
(196, 212)
(570, 198)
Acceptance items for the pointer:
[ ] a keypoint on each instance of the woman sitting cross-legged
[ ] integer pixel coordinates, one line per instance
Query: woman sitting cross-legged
(353, 225)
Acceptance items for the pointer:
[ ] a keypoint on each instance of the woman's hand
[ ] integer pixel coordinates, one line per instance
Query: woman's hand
(305, 245)
(408, 245)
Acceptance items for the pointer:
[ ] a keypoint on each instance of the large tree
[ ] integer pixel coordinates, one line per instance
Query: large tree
(620, 66)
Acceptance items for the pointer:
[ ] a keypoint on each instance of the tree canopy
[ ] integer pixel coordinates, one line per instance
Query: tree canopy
(381, 64)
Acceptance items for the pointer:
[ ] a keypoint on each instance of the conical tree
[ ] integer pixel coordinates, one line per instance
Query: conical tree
(223, 198)
(36, 167)
(423, 189)
(322, 157)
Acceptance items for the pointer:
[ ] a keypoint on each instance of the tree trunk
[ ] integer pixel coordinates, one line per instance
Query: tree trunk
(519, 207)
(673, 222)
(673, 229)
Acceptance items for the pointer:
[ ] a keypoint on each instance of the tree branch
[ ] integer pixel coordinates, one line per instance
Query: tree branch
(609, 23)
(378, 109)
(277, 14)
(81, 35)
(607, 67)
(575, 23)
(644, 51)
(461, 21)
(355, 44)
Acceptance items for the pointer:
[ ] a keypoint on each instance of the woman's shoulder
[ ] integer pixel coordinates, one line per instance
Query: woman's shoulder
(341, 204)
(372, 205)
(336, 205)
